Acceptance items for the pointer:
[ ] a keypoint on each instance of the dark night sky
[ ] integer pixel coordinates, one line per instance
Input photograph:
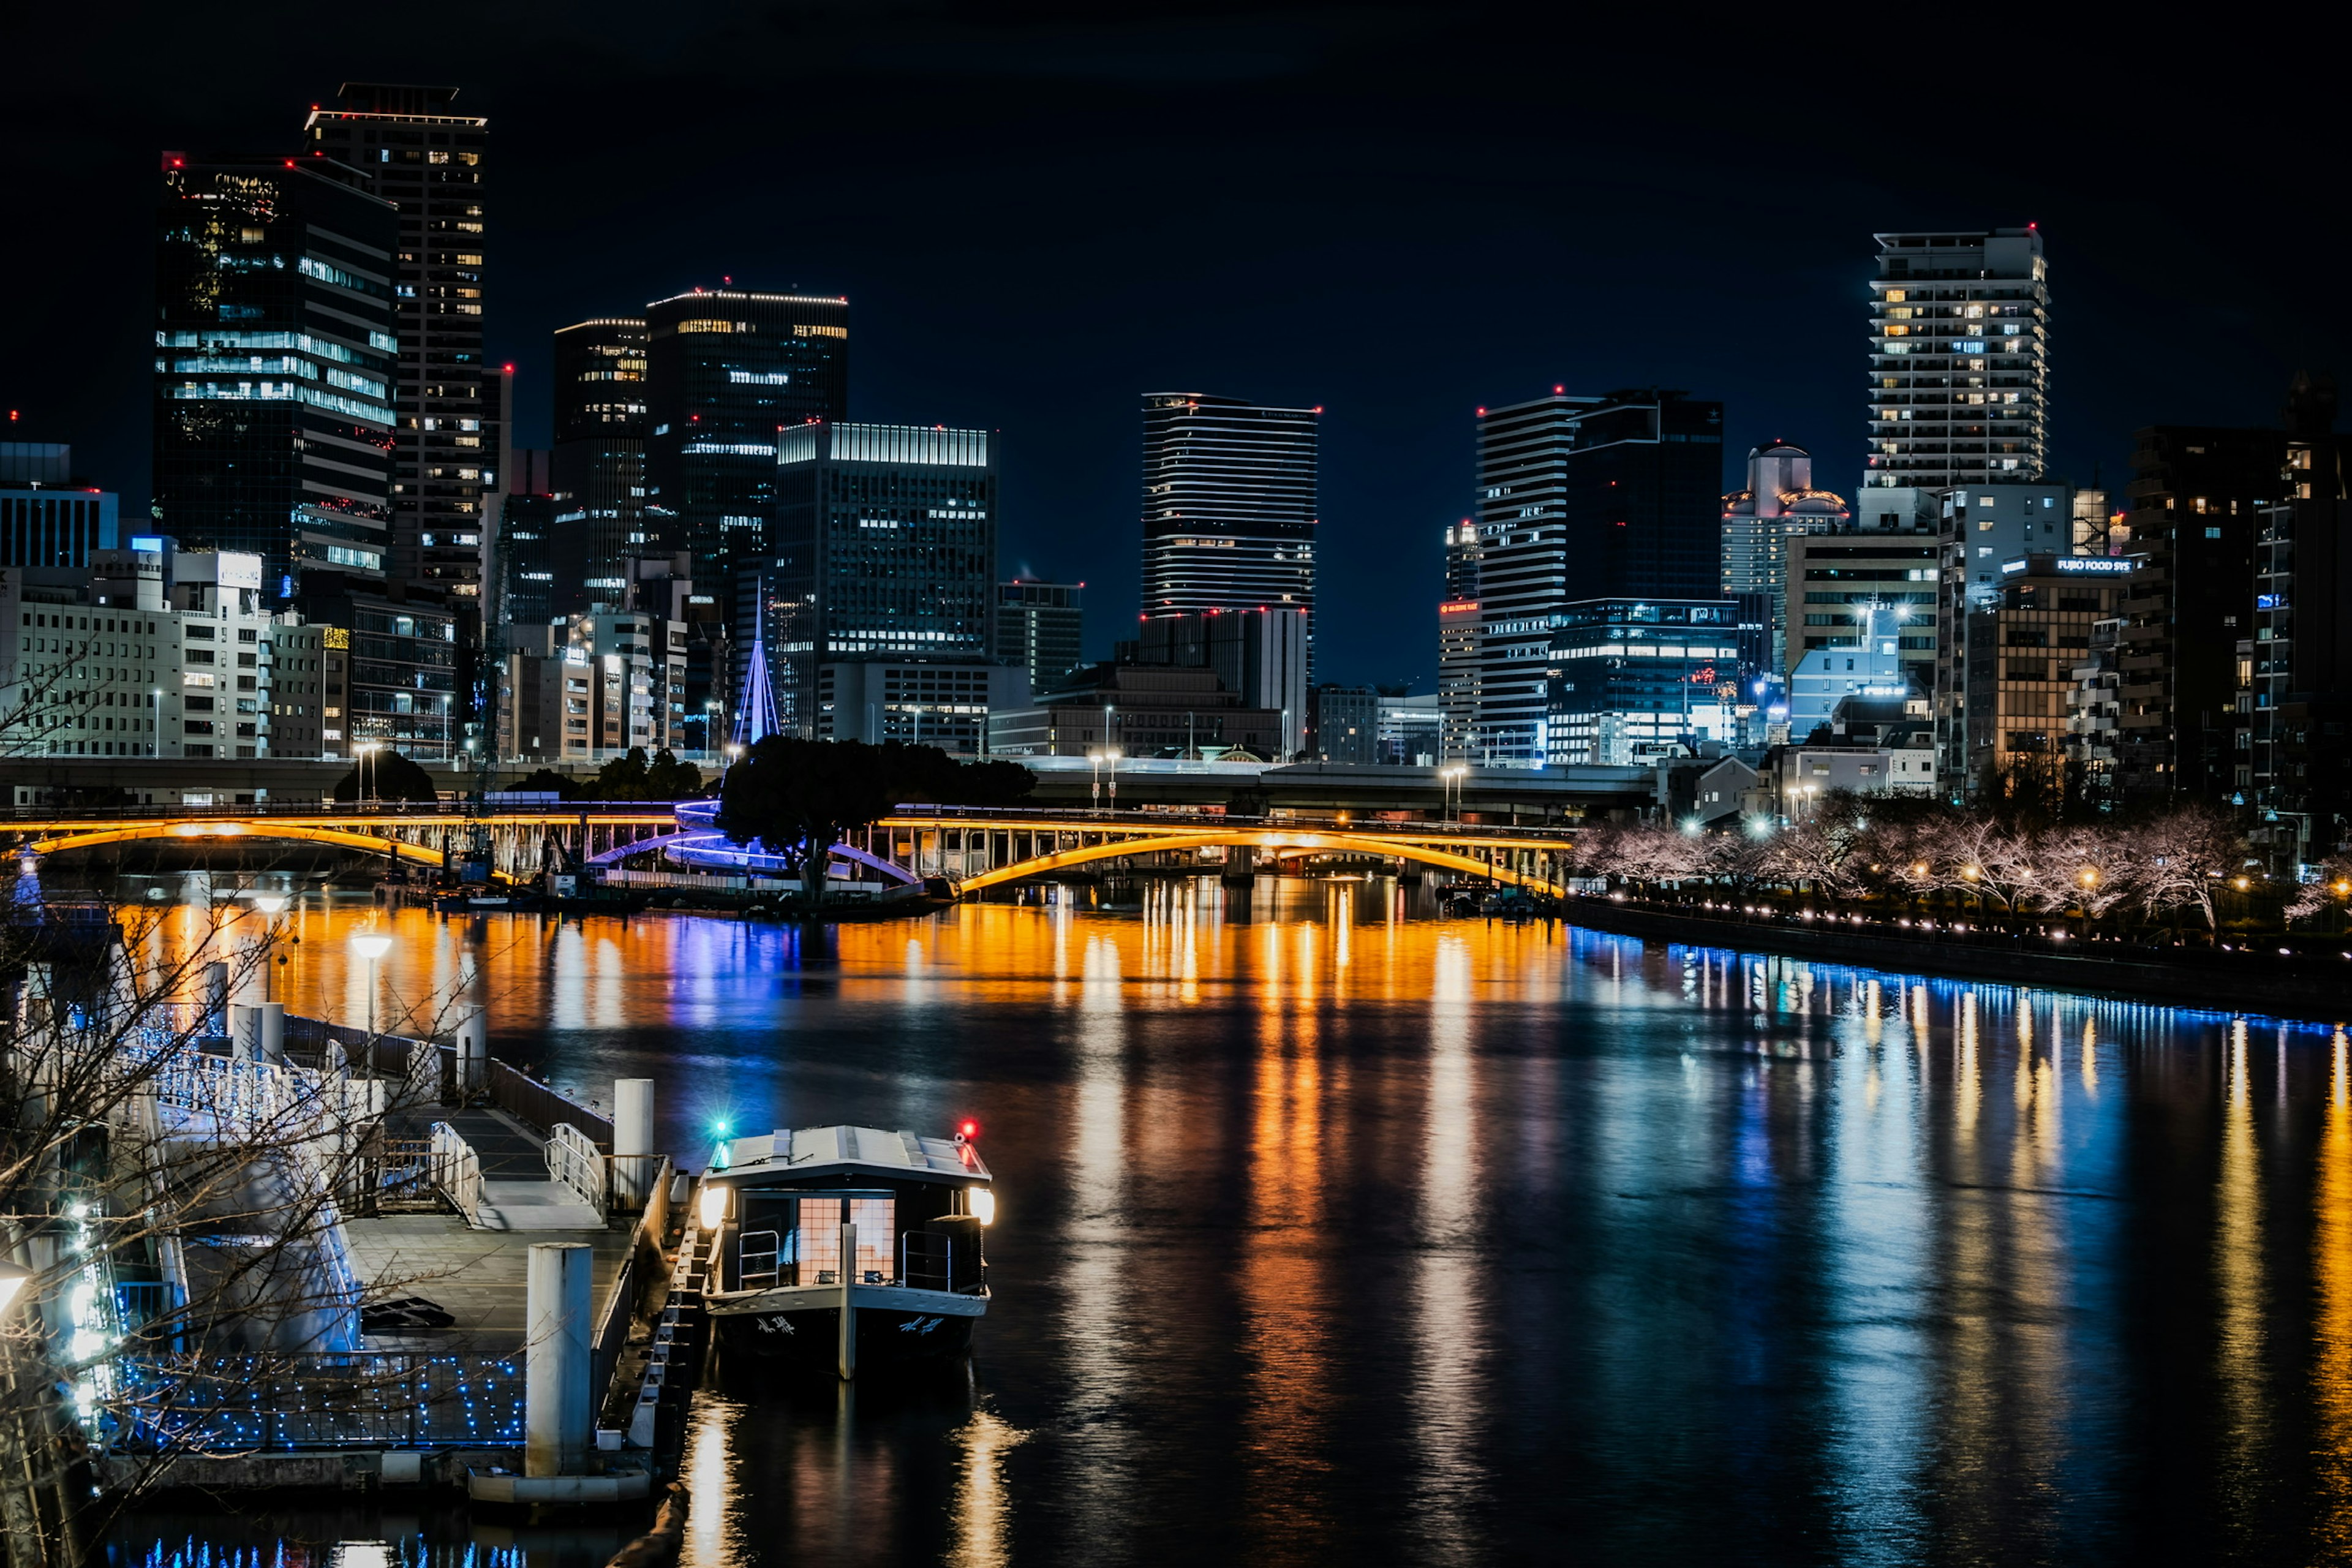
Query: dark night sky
(1039, 211)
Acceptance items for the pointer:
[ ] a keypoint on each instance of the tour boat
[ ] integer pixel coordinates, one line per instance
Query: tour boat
(845, 1247)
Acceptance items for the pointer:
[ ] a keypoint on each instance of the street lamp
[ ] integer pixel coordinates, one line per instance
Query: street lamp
(364, 749)
(13, 1278)
(733, 751)
(1450, 787)
(370, 949)
(1111, 757)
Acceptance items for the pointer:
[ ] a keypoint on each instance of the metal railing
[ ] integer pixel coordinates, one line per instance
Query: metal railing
(457, 1170)
(575, 1163)
(277, 1403)
(540, 1108)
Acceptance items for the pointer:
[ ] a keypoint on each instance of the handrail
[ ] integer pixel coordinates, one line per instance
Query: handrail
(574, 1162)
(457, 1172)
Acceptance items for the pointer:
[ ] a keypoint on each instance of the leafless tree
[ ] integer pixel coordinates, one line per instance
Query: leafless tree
(2180, 854)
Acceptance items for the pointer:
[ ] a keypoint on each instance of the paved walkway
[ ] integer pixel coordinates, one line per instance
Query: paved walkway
(516, 1192)
(477, 1277)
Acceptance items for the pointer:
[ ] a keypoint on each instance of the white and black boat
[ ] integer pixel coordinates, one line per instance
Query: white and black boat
(845, 1248)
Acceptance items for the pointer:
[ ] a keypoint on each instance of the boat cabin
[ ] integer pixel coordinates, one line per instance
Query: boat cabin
(916, 1206)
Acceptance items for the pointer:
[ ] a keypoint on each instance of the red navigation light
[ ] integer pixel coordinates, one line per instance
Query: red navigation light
(1558, 390)
(968, 1129)
(289, 162)
(509, 367)
(1482, 413)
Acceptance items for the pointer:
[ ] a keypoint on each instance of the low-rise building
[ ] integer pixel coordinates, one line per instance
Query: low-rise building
(943, 702)
(2024, 644)
(1139, 711)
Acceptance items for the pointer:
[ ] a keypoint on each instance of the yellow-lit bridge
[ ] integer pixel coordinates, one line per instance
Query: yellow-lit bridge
(970, 847)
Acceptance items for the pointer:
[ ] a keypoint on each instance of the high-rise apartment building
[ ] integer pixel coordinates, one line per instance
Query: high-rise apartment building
(2197, 496)
(1780, 504)
(1229, 506)
(415, 151)
(886, 549)
(599, 459)
(1960, 360)
(277, 287)
(1040, 626)
(1581, 498)
(726, 369)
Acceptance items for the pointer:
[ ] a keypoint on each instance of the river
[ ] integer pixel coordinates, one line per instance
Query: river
(1330, 1231)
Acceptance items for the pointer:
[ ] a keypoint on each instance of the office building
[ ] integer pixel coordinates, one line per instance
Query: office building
(1229, 506)
(415, 151)
(1837, 580)
(1411, 729)
(884, 549)
(1617, 496)
(277, 284)
(392, 671)
(1259, 655)
(1959, 370)
(1040, 626)
(1460, 675)
(2197, 496)
(942, 702)
(2024, 644)
(2300, 751)
(49, 515)
(1980, 528)
(1780, 504)
(726, 369)
(598, 462)
(1630, 679)
(532, 551)
(1346, 724)
(1139, 712)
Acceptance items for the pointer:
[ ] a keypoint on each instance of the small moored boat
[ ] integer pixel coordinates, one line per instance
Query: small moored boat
(847, 1246)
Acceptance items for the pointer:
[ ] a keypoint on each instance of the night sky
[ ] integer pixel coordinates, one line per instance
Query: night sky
(1039, 211)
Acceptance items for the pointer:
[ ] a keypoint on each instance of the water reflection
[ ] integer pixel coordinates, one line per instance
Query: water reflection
(1330, 1231)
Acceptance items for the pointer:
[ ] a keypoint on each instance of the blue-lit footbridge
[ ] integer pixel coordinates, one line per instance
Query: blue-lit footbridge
(970, 848)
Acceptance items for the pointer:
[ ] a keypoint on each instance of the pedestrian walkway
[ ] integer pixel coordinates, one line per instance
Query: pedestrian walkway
(517, 1192)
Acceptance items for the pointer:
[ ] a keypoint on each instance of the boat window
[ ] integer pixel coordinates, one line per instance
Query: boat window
(816, 1242)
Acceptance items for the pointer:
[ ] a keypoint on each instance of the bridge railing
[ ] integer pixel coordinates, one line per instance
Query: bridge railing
(1079, 820)
(390, 810)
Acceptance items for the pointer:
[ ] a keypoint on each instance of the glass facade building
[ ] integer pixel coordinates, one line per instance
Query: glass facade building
(727, 369)
(1229, 506)
(276, 356)
(599, 459)
(413, 150)
(886, 548)
(1040, 626)
(1630, 678)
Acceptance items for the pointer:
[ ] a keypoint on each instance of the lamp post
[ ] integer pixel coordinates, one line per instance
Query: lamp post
(370, 949)
(20, 1518)
(157, 748)
(1111, 758)
(1450, 787)
(733, 751)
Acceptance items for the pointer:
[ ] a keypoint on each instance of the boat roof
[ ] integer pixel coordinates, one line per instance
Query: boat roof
(801, 1153)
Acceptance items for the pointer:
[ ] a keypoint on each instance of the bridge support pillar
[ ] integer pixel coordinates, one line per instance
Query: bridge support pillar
(473, 1051)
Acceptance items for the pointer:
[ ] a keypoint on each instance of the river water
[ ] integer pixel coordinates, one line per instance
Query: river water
(1331, 1231)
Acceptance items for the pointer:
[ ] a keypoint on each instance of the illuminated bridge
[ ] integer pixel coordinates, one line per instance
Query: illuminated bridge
(972, 848)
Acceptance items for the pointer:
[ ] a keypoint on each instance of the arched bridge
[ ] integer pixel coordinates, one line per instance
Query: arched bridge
(973, 848)
(982, 849)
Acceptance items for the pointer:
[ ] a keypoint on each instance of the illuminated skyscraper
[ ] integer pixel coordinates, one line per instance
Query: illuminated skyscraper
(1229, 506)
(599, 459)
(1960, 360)
(428, 162)
(274, 366)
(726, 369)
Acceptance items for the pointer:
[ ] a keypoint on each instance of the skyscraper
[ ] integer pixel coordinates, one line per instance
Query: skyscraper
(1960, 360)
(275, 352)
(1229, 506)
(1040, 626)
(428, 162)
(726, 369)
(1778, 503)
(599, 469)
(1580, 498)
(885, 554)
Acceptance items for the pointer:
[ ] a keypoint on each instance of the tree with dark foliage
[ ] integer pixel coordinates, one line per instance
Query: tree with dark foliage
(388, 776)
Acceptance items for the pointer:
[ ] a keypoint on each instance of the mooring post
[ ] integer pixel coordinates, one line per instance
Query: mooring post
(632, 1140)
(848, 1311)
(473, 1051)
(557, 1407)
(216, 997)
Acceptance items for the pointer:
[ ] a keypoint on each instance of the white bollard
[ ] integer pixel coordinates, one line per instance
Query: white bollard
(272, 1040)
(473, 1051)
(632, 1140)
(557, 1410)
(244, 1032)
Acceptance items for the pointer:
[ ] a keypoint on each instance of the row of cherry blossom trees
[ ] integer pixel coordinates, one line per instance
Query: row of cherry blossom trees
(2160, 868)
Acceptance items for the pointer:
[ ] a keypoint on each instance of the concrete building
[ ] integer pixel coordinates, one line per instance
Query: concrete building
(1870, 665)
(1346, 724)
(1258, 655)
(1802, 773)
(2300, 748)
(2025, 644)
(1779, 504)
(939, 703)
(1632, 679)
(1460, 681)
(1838, 581)
(1140, 712)
(1411, 729)
(1980, 528)
(1040, 626)
(49, 516)
(1959, 370)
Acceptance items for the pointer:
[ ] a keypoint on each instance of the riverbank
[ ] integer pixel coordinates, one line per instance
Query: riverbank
(2303, 987)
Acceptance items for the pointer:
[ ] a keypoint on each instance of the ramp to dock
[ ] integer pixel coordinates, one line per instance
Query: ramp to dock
(518, 1194)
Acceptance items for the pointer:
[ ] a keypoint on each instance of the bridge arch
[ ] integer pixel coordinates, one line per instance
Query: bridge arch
(261, 827)
(1315, 842)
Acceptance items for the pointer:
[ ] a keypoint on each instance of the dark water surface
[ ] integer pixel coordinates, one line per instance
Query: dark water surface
(1325, 1234)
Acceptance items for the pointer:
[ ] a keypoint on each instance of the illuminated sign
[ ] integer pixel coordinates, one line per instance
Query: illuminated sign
(238, 570)
(147, 542)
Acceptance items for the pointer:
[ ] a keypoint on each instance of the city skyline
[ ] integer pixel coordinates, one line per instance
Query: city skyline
(1584, 282)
